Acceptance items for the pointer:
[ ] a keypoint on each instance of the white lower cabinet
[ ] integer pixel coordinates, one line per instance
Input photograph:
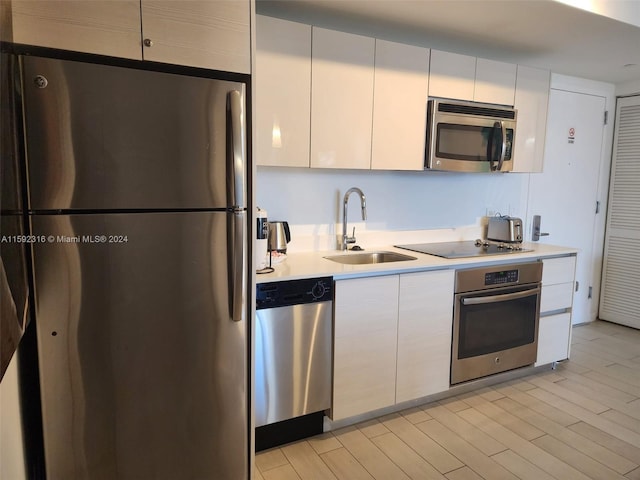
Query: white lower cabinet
(554, 330)
(554, 333)
(364, 351)
(425, 318)
(392, 340)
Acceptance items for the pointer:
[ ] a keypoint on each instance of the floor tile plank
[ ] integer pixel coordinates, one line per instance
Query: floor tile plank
(467, 453)
(522, 447)
(344, 466)
(594, 470)
(407, 459)
(424, 445)
(520, 467)
(306, 462)
(603, 455)
(369, 455)
(607, 440)
(465, 430)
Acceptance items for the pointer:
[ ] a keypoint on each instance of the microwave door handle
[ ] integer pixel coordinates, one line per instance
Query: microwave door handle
(490, 153)
(503, 150)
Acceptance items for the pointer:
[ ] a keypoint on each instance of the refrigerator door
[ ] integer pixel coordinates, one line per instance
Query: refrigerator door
(104, 137)
(14, 290)
(143, 369)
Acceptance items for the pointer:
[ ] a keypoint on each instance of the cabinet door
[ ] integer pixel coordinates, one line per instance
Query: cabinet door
(554, 338)
(283, 92)
(452, 75)
(341, 99)
(210, 34)
(399, 106)
(495, 82)
(365, 336)
(424, 334)
(102, 27)
(531, 101)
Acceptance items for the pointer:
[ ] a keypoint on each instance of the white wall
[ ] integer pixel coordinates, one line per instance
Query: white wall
(629, 88)
(311, 199)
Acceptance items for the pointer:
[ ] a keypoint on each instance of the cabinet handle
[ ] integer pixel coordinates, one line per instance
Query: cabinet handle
(148, 42)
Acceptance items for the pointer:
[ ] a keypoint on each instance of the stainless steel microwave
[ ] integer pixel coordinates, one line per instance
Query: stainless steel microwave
(469, 136)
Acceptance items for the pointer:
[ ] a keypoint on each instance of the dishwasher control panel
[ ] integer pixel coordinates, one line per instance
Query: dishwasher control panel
(294, 292)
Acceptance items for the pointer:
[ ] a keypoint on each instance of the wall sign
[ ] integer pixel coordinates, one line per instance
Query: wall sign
(572, 135)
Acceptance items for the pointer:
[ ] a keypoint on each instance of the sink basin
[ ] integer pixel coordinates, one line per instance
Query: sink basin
(370, 258)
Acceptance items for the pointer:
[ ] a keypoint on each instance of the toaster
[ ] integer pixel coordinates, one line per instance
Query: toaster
(505, 229)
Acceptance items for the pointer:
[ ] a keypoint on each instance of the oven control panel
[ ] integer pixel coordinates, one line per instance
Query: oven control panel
(498, 278)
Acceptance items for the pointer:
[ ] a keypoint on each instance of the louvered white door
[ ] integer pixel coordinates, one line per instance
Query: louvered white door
(620, 301)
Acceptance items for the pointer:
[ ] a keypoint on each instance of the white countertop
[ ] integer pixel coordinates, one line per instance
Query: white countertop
(313, 264)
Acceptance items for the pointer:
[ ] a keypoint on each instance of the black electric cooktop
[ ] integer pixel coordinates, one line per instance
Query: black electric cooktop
(464, 249)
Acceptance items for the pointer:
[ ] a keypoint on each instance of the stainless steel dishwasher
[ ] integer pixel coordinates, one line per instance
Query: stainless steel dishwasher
(293, 350)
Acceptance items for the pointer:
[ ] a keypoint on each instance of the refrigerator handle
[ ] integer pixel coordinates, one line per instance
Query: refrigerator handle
(236, 153)
(237, 271)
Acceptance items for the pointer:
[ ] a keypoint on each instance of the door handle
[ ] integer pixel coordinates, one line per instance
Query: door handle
(535, 230)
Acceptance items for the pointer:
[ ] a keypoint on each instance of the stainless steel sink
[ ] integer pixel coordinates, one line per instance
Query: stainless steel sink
(370, 258)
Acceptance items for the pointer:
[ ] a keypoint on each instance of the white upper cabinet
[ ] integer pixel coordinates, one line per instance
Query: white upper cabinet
(283, 92)
(531, 101)
(452, 75)
(210, 34)
(495, 82)
(341, 99)
(200, 33)
(399, 106)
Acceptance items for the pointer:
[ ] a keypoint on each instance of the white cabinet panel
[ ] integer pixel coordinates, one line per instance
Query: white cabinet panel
(101, 27)
(207, 34)
(283, 92)
(210, 34)
(341, 99)
(554, 336)
(399, 106)
(452, 75)
(365, 336)
(558, 270)
(424, 334)
(495, 82)
(531, 101)
(556, 297)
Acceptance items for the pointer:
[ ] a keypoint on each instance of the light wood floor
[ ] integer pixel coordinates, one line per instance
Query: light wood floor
(581, 421)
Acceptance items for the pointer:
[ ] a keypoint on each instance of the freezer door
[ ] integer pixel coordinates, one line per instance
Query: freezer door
(105, 137)
(143, 369)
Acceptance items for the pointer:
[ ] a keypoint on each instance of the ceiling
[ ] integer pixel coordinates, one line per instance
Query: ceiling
(538, 33)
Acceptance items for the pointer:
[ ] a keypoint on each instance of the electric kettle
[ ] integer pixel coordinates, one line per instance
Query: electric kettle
(279, 236)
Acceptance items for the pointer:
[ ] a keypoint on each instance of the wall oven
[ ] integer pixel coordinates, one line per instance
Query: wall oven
(469, 137)
(495, 319)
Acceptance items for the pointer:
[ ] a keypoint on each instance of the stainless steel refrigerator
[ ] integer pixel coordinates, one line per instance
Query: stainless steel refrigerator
(137, 202)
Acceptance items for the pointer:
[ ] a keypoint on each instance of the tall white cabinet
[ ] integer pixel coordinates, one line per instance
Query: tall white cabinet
(341, 99)
(399, 106)
(282, 92)
(531, 101)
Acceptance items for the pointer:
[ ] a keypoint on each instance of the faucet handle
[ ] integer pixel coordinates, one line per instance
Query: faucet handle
(351, 239)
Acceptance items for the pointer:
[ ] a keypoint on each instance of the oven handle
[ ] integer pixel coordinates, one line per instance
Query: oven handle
(500, 298)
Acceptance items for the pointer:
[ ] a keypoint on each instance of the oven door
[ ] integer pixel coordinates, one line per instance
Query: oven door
(494, 331)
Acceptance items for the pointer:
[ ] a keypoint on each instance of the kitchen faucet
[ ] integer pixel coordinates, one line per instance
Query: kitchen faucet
(363, 205)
